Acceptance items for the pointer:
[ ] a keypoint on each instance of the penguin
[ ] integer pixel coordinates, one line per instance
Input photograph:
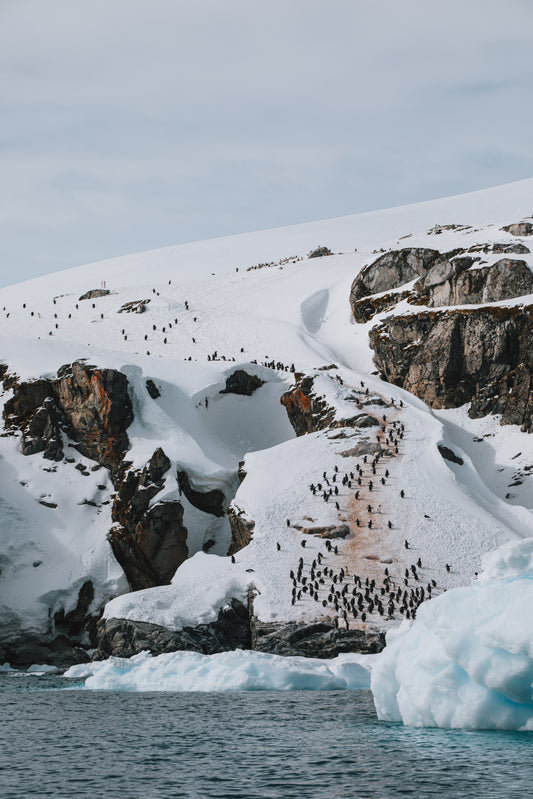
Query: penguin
(233, 558)
(278, 546)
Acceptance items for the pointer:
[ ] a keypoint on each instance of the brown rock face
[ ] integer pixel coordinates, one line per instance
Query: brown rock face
(241, 529)
(148, 542)
(91, 405)
(97, 408)
(483, 356)
(307, 412)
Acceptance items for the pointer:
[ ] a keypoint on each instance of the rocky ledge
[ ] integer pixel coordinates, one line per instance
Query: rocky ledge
(89, 405)
(483, 356)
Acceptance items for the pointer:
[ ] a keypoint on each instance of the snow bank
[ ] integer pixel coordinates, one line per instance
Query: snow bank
(226, 671)
(467, 660)
(200, 588)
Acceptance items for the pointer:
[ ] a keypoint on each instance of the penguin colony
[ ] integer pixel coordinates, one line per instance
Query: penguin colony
(355, 598)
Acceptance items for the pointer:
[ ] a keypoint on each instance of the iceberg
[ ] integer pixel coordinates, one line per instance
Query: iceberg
(467, 660)
(240, 670)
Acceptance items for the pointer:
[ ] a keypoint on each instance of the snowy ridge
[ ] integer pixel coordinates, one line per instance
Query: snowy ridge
(206, 314)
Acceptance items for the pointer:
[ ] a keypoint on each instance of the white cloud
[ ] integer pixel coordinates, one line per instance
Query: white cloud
(153, 123)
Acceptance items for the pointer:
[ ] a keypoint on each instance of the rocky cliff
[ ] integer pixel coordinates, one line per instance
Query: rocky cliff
(440, 279)
(88, 405)
(483, 356)
(148, 540)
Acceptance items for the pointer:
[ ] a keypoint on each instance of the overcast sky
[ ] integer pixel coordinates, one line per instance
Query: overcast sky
(127, 125)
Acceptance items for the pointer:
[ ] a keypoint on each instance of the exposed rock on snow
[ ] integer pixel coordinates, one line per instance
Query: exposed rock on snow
(148, 541)
(320, 639)
(91, 405)
(240, 382)
(125, 637)
(94, 294)
(241, 529)
(212, 502)
(519, 229)
(483, 356)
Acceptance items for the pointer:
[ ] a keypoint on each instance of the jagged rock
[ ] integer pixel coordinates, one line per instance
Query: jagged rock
(461, 285)
(519, 229)
(307, 411)
(483, 356)
(392, 270)
(241, 529)
(92, 406)
(449, 455)
(518, 248)
(148, 542)
(212, 502)
(443, 279)
(93, 294)
(135, 306)
(124, 638)
(75, 621)
(97, 408)
(318, 639)
(319, 252)
(240, 382)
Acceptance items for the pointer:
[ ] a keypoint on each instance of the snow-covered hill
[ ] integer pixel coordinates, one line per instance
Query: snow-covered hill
(178, 323)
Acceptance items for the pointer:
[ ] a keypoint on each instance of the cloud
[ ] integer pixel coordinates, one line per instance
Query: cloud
(147, 124)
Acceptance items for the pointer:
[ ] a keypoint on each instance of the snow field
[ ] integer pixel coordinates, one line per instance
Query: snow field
(293, 312)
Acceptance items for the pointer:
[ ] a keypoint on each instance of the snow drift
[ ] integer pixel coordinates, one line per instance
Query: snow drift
(226, 671)
(467, 660)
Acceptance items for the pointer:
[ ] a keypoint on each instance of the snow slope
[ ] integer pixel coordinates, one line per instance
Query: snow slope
(208, 312)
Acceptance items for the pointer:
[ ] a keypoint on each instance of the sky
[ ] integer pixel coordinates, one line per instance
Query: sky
(128, 125)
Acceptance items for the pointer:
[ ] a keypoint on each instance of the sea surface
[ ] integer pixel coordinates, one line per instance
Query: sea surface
(67, 743)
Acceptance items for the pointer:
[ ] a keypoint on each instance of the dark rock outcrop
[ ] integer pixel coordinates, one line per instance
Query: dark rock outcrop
(319, 252)
(93, 294)
(307, 411)
(148, 542)
(443, 279)
(124, 638)
(212, 502)
(134, 306)
(447, 358)
(517, 249)
(318, 639)
(455, 283)
(240, 382)
(241, 529)
(394, 269)
(30, 649)
(91, 405)
(519, 229)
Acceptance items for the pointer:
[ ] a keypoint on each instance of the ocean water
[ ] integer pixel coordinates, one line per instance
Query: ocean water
(69, 743)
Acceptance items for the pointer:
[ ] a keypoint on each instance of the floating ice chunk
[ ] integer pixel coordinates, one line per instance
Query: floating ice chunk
(467, 660)
(226, 671)
(41, 668)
